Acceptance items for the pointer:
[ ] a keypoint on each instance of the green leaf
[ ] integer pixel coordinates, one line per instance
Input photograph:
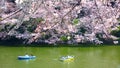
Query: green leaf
(63, 38)
(75, 21)
(39, 19)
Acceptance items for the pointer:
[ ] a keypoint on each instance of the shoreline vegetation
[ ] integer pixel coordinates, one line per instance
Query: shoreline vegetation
(61, 22)
(52, 45)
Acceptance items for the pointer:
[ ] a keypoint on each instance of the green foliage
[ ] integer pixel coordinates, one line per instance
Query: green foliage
(21, 29)
(99, 36)
(35, 20)
(1, 28)
(39, 19)
(118, 28)
(75, 21)
(31, 28)
(63, 38)
(116, 32)
(32, 23)
(8, 27)
(45, 36)
(82, 30)
(118, 40)
(119, 21)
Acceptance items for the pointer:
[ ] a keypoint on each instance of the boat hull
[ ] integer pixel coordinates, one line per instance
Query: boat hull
(26, 57)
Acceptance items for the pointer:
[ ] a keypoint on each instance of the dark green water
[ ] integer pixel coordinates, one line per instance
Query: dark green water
(48, 57)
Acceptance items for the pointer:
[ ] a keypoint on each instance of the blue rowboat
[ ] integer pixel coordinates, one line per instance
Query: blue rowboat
(26, 57)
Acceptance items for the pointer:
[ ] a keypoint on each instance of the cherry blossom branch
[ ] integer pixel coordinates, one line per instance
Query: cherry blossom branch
(12, 14)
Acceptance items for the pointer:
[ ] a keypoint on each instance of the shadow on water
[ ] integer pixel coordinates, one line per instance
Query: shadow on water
(14, 42)
(50, 45)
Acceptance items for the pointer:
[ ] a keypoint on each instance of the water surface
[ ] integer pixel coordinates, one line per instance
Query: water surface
(48, 57)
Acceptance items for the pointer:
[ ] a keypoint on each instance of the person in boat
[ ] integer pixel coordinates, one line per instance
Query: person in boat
(31, 55)
(26, 55)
